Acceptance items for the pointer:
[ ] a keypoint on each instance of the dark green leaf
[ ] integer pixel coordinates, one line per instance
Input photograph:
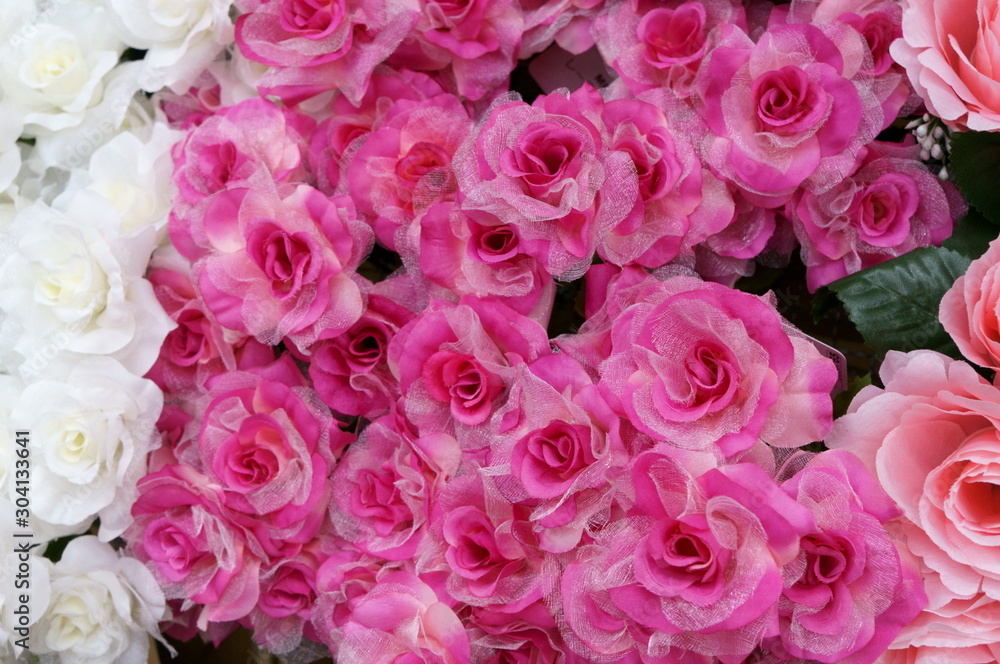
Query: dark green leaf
(974, 163)
(972, 235)
(895, 304)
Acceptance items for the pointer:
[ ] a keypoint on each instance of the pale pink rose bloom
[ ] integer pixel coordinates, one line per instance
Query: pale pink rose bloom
(970, 310)
(931, 436)
(949, 50)
(982, 654)
(402, 621)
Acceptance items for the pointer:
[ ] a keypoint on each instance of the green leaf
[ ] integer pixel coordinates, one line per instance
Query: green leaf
(895, 304)
(974, 162)
(972, 235)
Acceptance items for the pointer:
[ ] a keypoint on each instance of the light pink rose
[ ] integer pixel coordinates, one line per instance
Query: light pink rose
(566, 22)
(316, 47)
(193, 545)
(891, 205)
(401, 621)
(981, 654)
(281, 263)
(703, 366)
(948, 50)
(970, 310)
(341, 580)
(793, 109)
(931, 437)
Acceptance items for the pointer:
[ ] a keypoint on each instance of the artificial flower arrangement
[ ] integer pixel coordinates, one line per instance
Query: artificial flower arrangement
(316, 327)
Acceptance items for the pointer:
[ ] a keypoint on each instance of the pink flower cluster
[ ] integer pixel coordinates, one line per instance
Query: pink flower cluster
(410, 468)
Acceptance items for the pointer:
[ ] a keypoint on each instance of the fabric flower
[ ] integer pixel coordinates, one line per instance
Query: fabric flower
(969, 310)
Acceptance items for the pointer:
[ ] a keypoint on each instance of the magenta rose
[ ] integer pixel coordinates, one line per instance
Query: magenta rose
(314, 47)
(281, 264)
(703, 366)
(454, 362)
(350, 371)
(677, 203)
(191, 542)
(474, 253)
(478, 38)
(383, 489)
(931, 438)
(402, 621)
(486, 548)
(791, 110)
(269, 444)
(847, 594)
(891, 205)
(349, 122)
(970, 310)
(287, 596)
(541, 167)
(666, 44)
(404, 166)
(705, 555)
(557, 451)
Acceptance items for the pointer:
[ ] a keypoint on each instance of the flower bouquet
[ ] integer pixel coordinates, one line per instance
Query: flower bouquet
(475, 331)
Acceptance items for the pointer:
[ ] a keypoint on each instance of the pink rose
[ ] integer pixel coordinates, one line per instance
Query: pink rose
(541, 167)
(270, 447)
(703, 366)
(349, 122)
(948, 49)
(666, 44)
(341, 580)
(384, 487)
(287, 597)
(695, 545)
(970, 310)
(316, 47)
(478, 38)
(557, 451)
(791, 110)
(404, 166)
(980, 654)
(281, 264)
(454, 362)
(931, 437)
(401, 621)
(350, 371)
(474, 253)
(190, 541)
(486, 548)
(678, 203)
(847, 594)
(567, 22)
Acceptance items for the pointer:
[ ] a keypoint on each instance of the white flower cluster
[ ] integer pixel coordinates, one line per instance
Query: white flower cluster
(85, 188)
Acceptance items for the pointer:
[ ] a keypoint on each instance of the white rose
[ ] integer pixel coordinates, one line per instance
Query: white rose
(102, 608)
(70, 284)
(135, 176)
(90, 434)
(53, 70)
(180, 37)
(23, 575)
(11, 125)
